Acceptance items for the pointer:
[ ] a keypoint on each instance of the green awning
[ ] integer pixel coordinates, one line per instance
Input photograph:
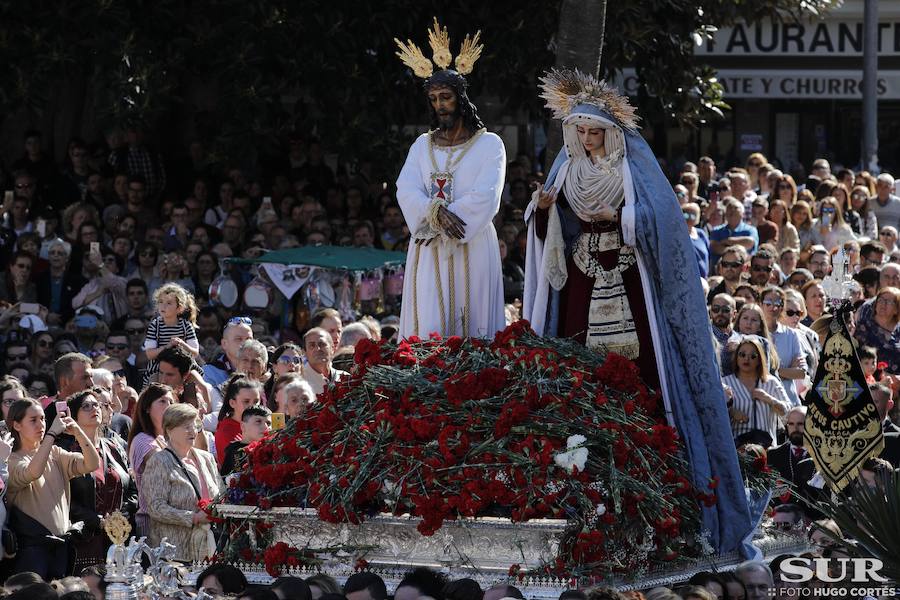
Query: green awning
(330, 257)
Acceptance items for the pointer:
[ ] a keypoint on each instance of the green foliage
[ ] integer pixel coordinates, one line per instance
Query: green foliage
(238, 71)
(871, 518)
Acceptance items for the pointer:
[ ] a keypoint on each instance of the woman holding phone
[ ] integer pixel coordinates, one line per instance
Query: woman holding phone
(39, 491)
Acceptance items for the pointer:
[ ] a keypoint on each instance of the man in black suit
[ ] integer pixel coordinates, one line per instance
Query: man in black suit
(881, 394)
(789, 459)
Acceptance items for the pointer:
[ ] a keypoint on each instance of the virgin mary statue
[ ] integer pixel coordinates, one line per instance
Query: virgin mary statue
(609, 263)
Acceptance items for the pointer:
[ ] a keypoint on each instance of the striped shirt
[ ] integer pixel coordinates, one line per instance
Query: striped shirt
(159, 335)
(759, 414)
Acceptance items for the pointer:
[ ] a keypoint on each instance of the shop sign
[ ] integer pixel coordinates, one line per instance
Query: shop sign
(825, 38)
(795, 84)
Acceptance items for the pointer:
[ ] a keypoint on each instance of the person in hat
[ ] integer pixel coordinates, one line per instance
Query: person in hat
(449, 190)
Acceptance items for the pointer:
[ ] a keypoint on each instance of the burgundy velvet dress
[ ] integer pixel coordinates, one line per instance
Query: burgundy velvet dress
(575, 297)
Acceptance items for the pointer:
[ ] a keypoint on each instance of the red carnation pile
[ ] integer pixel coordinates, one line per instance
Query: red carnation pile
(523, 427)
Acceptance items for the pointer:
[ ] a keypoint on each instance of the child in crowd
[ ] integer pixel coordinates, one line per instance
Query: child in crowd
(256, 422)
(868, 359)
(174, 325)
(239, 394)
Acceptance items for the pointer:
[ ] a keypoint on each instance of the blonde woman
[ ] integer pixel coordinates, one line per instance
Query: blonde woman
(829, 229)
(785, 190)
(866, 225)
(175, 480)
(802, 220)
(866, 180)
(878, 327)
(751, 321)
(758, 399)
(787, 233)
(754, 162)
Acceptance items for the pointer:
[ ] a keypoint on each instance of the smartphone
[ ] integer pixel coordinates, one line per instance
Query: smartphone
(42, 228)
(277, 421)
(29, 308)
(95, 247)
(189, 395)
(62, 409)
(8, 198)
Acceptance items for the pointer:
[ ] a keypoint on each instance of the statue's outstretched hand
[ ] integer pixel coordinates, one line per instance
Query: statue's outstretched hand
(545, 197)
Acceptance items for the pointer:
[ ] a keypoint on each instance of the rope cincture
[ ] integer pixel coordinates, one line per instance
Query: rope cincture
(465, 316)
(439, 286)
(415, 291)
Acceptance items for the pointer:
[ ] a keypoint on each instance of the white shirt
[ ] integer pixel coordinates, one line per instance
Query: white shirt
(759, 415)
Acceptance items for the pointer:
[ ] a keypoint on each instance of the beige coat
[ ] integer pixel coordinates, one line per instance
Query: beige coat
(172, 502)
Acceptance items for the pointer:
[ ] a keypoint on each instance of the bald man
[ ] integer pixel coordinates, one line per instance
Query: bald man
(789, 459)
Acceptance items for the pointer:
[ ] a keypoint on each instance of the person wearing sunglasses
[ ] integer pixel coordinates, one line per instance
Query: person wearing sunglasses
(794, 312)
(721, 315)
(758, 398)
(793, 368)
(762, 266)
(879, 327)
(99, 493)
(731, 267)
(41, 348)
(286, 359)
(754, 162)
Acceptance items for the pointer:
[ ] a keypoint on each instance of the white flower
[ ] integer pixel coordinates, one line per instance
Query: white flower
(575, 456)
(601, 509)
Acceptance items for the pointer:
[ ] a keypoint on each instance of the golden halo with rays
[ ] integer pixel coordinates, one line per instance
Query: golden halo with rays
(564, 89)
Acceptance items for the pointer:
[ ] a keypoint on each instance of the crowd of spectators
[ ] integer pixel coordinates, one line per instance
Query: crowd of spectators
(126, 388)
(765, 245)
(751, 580)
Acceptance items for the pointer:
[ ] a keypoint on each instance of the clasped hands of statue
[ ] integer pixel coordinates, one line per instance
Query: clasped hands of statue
(546, 199)
(451, 225)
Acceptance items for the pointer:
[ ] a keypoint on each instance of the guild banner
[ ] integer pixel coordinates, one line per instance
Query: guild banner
(843, 428)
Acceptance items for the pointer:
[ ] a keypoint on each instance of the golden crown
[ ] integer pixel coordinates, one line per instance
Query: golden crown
(564, 89)
(439, 40)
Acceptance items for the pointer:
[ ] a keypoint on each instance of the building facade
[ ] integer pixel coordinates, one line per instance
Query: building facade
(796, 91)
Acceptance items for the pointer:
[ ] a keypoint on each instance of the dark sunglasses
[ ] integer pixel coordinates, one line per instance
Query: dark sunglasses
(120, 373)
(793, 313)
(720, 309)
(761, 269)
(116, 346)
(45, 343)
(732, 265)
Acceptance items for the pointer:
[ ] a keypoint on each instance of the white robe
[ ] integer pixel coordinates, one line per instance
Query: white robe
(477, 186)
